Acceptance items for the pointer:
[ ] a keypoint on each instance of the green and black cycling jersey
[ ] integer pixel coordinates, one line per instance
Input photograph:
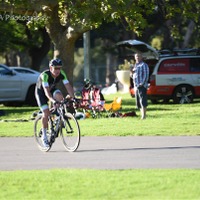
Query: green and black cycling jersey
(47, 80)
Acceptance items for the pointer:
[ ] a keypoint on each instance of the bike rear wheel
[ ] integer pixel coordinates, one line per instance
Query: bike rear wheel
(38, 133)
(70, 133)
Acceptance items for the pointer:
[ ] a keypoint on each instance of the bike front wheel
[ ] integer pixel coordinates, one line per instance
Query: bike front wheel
(38, 133)
(70, 132)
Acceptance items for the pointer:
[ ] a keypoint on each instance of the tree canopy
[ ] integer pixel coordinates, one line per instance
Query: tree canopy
(66, 20)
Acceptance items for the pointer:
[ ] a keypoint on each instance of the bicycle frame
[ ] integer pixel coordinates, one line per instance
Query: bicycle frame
(56, 123)
(54, 128)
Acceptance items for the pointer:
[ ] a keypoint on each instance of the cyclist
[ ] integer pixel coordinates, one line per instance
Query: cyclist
(46, 91)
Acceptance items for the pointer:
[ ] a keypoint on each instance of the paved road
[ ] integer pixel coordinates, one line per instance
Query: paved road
(103, 153)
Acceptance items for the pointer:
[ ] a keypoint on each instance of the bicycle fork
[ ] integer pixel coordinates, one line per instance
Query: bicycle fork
(68, 128)
(54, 129)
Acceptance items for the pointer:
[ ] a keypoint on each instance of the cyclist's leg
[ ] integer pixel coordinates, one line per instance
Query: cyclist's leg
(43, 104)
(45, 115)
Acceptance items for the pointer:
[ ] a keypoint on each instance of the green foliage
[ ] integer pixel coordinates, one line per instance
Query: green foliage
(157, 42)
(126, 65)
(187, 9)
(85, 15)
(12, 36)
(89, 14)
(67, 20)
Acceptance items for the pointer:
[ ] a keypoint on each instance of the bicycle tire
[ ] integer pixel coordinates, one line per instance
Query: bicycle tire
(70, 132)
(38, 133)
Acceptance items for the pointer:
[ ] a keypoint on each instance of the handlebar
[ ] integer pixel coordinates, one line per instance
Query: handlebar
(71, 104)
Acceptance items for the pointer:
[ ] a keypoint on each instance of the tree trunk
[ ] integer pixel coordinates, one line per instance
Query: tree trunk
(188, 34)
(66, 53)
(11, 58)
(168, 42)
(64, 38)
(111, 63)
(38, 53)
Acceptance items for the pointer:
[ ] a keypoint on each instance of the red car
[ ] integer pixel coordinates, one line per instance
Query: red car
(173, 74)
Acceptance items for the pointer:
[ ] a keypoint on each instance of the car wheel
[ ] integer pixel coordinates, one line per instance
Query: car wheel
(183, 94)
(30, 98)
(154, 101)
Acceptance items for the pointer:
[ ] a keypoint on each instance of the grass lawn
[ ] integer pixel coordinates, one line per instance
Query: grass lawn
(100, 184)
(162, 119)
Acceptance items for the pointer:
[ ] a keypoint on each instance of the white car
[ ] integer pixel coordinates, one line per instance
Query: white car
(17, 85)
(24, 70)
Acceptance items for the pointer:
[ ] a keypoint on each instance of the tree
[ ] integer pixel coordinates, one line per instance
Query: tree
(16, 37)
(10, 41)
(67, 20)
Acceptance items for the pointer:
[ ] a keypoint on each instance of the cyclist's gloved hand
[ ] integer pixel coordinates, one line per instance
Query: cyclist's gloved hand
(71, 98)
(68, 97)
(55, 103)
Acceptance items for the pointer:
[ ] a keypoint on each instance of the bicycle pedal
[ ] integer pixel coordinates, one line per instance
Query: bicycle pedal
(68, 132)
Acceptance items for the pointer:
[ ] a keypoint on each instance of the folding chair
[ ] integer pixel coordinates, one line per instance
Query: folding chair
(113, 108)
(91, 102)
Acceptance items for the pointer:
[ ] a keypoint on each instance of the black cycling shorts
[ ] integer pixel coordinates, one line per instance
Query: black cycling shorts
(41, 98)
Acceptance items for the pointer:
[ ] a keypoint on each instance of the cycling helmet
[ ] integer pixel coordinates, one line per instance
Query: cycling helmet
(87, 83)
(55, 62)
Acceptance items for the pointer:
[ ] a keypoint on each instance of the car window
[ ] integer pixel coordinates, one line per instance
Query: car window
(24, 71)
(177, 65)
(195, 64)
(4, 71)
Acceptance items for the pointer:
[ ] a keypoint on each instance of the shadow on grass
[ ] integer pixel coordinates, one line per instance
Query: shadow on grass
(17, 110)
(129, 105)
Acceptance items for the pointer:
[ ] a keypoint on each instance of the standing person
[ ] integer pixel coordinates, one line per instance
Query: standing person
(140, 80)
(46, 91)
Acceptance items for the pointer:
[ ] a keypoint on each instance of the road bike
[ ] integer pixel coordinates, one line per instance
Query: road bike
(61, 122)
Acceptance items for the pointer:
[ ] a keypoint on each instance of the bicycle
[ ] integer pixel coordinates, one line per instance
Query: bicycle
(61, 122)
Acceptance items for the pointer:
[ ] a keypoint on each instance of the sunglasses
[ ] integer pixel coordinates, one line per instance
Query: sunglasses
(57, 68)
